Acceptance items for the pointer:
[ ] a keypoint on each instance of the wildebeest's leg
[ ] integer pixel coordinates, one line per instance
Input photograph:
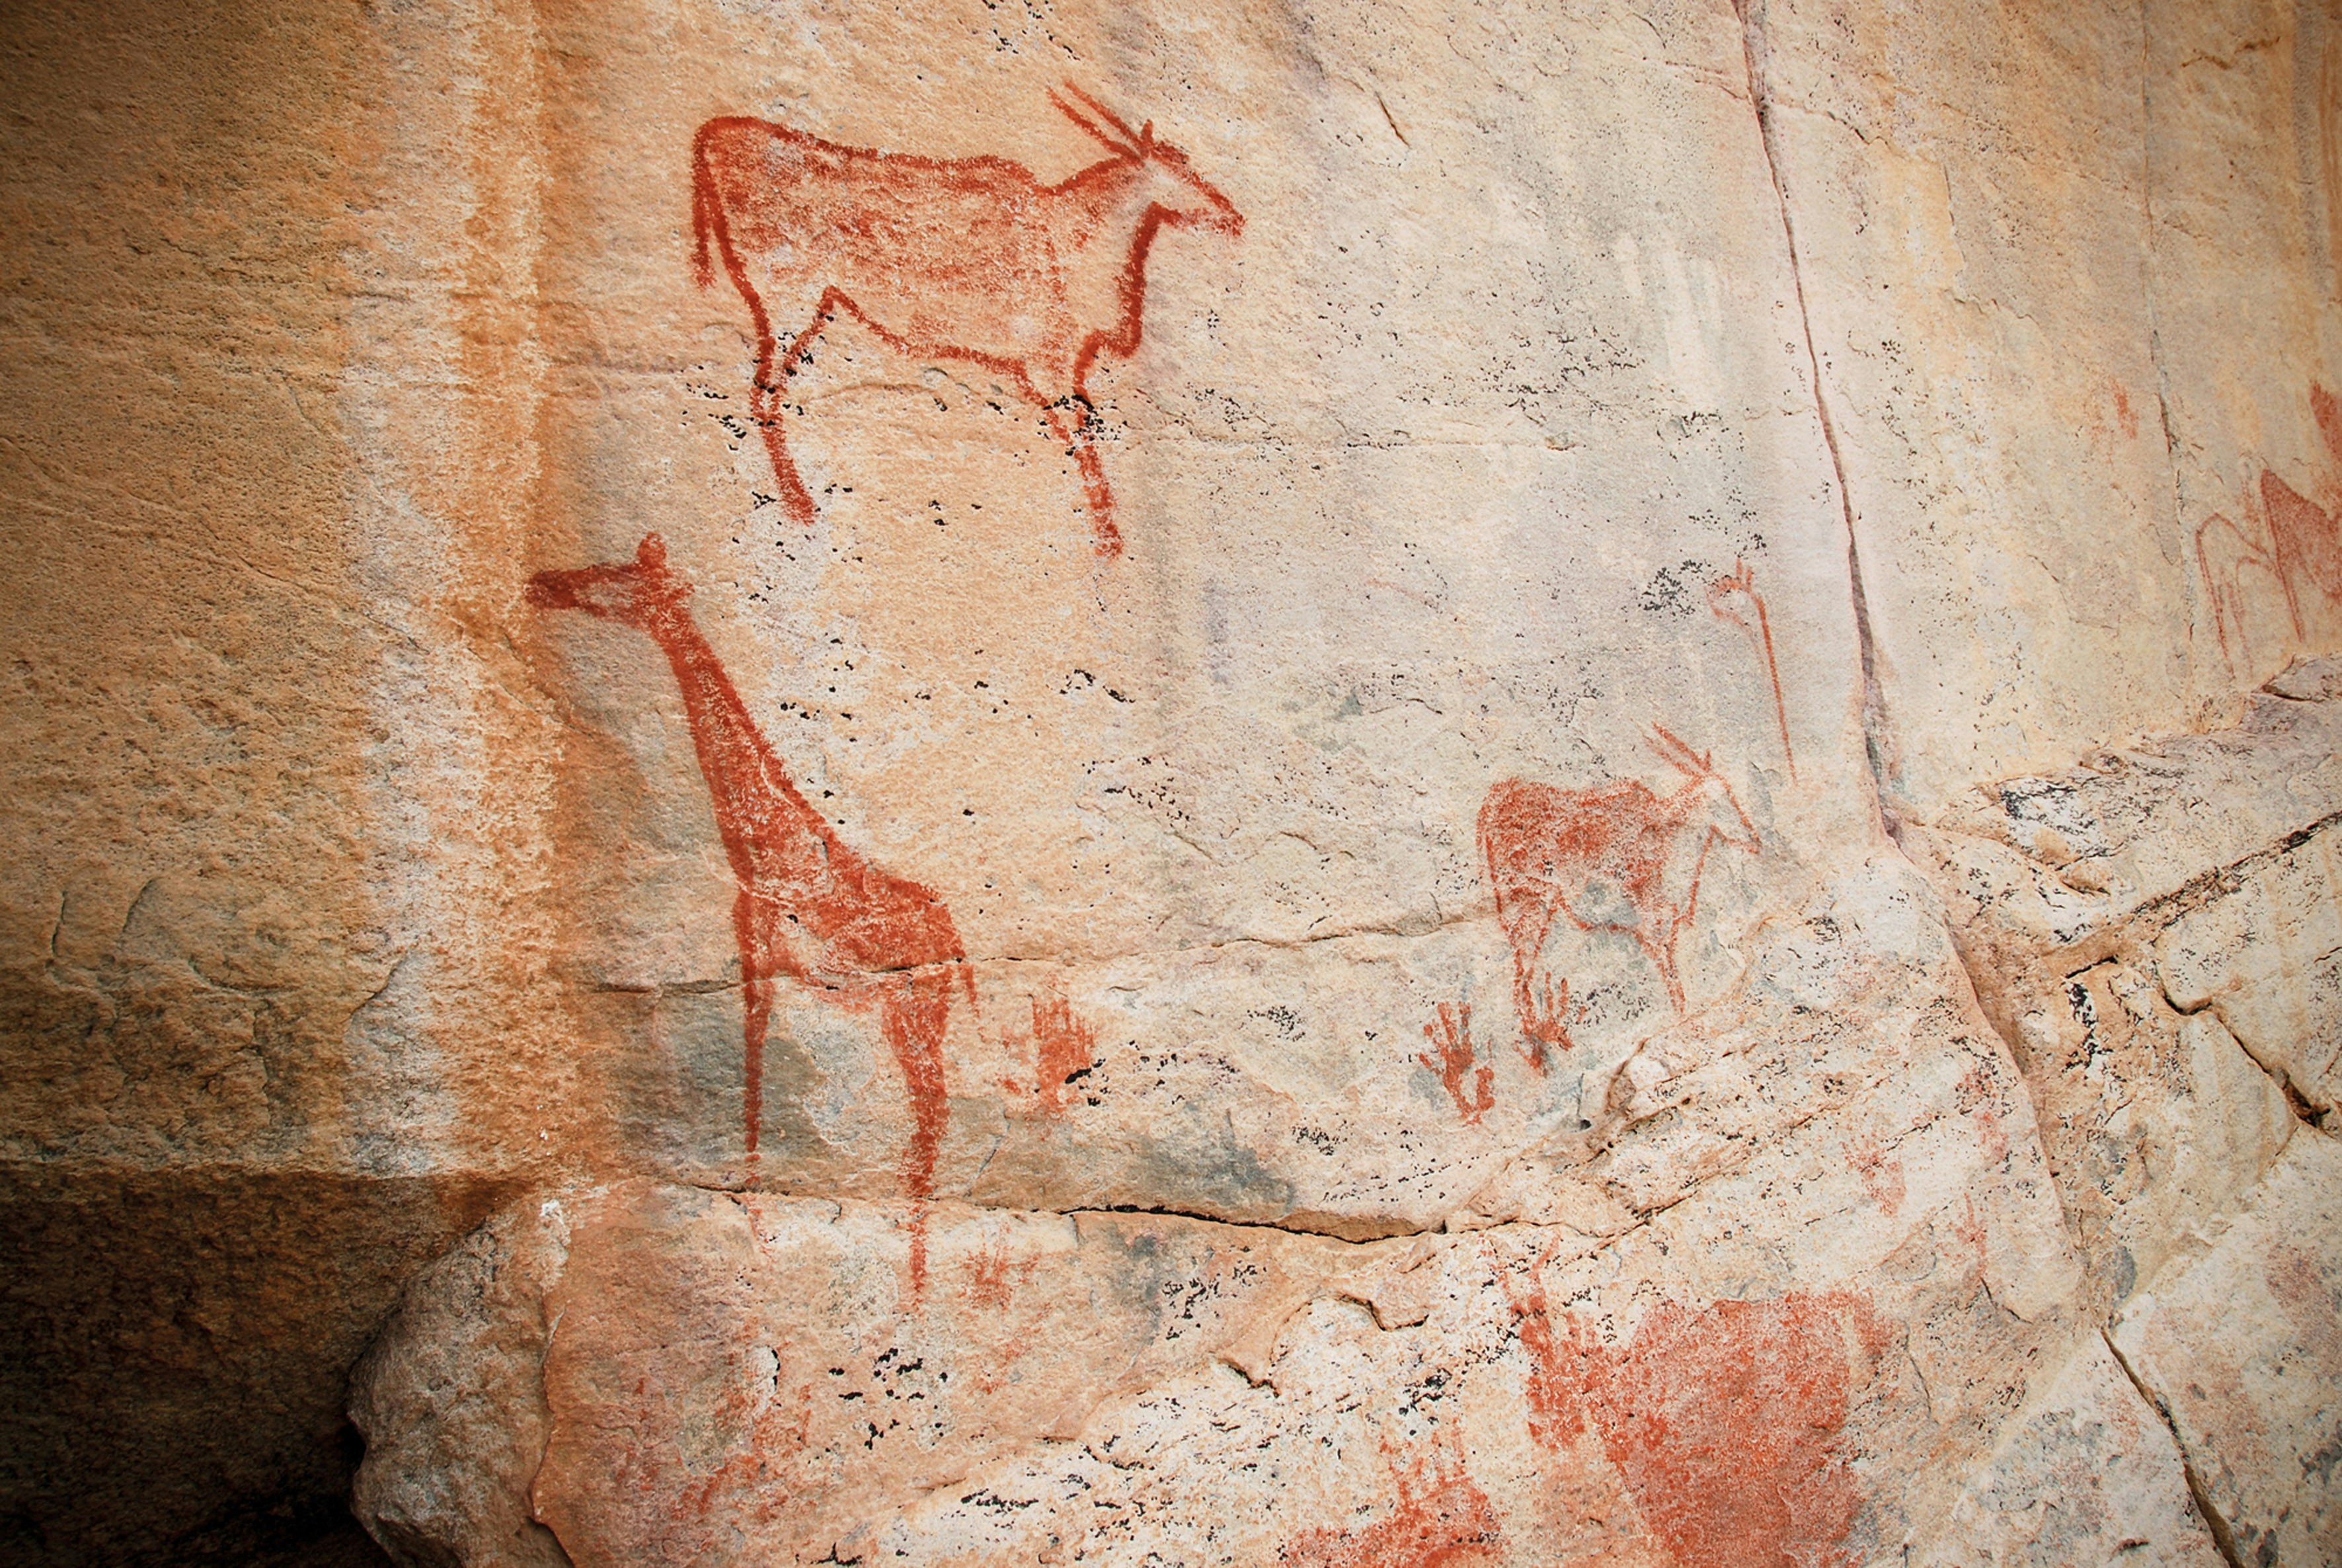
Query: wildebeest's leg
(765, 404)
(1074, 434)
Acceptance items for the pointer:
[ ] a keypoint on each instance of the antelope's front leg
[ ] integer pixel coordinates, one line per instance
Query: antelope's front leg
(765, 395)
(1073, 422)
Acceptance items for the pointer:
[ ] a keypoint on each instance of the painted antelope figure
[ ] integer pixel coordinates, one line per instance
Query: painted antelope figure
(1615, 857)
(2286, 536)
(966, 259)
(809, 907)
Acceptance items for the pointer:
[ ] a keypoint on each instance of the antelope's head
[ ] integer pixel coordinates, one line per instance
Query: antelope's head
(1185, 198)
(1712, 803)
(636, 591)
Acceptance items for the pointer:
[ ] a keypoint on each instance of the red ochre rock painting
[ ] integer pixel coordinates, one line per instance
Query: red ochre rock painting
(809, 907)
(1549, 850)
(1064, 1048)
(965, 259)
(2285, 538)
(1443, 1519)
(1737, 600)
(1450, 1034)
(1725, 1423)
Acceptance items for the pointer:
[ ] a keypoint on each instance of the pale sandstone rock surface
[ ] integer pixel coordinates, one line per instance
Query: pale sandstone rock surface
(1666, 896)
(2243, 1349)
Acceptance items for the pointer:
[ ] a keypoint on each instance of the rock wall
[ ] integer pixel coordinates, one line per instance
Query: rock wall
(1361, 784)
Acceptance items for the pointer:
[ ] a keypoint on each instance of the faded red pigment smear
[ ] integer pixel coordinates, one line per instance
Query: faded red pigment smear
(809, 907)
(1550, 850)
(1442, 1521)
(992, 1276)
(1450, 1034)
(1064, 1047)
(1737, 600)
(2285, 538)
(965, 259)
(1724, 1424)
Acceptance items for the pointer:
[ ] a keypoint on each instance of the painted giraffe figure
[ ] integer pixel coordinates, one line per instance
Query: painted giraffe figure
(809, 908)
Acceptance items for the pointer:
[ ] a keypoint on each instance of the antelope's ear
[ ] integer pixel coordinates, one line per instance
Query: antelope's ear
(652, 552)
(1147, 137)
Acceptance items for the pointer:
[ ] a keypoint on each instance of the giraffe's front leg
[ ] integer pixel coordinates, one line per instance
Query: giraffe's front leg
(755, 922)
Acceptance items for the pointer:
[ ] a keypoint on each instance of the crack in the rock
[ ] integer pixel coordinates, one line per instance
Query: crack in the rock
(1397, 931)
(2140, 926)
(1876, 742)
(2146, 267)
(2224, 1539)
(1361, 1230)
(1364, 1231)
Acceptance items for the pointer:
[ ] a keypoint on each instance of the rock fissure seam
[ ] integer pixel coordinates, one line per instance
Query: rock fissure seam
(1874, 740)
(2223, 1538)
(1383, 1229)
(2148, 278)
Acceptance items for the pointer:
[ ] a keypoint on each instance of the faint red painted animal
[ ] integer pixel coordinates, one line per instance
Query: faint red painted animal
(1615, 857)
(966, 259)
(809, 907)
(1727, 1424)
(2286, 536)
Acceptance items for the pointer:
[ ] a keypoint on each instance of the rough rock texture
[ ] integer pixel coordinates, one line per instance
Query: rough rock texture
(1345, 785)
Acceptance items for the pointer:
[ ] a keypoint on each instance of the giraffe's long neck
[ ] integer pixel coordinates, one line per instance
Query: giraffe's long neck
(774, 838)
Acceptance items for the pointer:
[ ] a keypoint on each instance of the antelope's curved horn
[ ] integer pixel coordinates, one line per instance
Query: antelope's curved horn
(1674, 750)
(1121, 127)
(1078, 118)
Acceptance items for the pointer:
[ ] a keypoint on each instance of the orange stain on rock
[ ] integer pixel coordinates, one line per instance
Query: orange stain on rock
(1724, 1423)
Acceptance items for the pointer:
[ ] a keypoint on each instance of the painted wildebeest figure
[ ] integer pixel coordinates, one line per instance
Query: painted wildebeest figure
(1615, 857)
(957, 259)
(809, 908)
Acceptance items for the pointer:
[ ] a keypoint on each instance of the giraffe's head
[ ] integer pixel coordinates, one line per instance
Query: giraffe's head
(635, 591)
